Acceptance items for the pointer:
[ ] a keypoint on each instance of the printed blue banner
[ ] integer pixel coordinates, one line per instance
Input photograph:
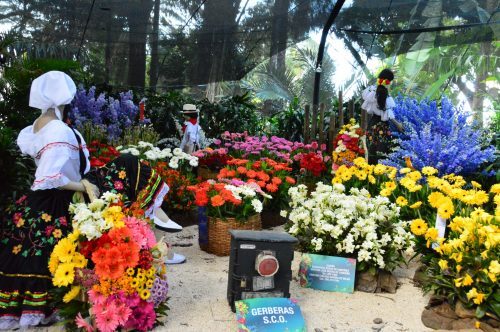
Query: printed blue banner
(330, 273)
(274, 314)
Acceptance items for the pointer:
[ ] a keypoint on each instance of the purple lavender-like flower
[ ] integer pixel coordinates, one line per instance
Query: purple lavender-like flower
(159, 291)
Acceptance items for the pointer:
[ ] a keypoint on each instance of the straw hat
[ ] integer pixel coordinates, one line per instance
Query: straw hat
(189, 109)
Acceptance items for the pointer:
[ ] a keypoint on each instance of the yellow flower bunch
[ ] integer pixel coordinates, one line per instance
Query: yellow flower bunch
(64, 259)
(142, 281)
(113, 215)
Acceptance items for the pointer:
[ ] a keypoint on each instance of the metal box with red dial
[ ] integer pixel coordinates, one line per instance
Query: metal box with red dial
(260, 265)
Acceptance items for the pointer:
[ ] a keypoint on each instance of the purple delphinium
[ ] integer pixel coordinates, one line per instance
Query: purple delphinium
(438, 136)
(115, 114)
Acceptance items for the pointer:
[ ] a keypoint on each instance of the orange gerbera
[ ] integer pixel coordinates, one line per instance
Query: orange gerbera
(271, 187)
(231, 173)
(217, 200)
(200, 197)
(219, 186)
(263, 176)
(241, 170)
(119, 235)
(251, 174)
(290, 180)
(277, 181)
(222, 173)
(261, 184)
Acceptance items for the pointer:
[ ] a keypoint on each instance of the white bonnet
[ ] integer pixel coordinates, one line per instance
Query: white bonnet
(52, 89)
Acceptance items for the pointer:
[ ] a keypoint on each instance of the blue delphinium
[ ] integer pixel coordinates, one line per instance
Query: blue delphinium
(438, 136)
(114, 114)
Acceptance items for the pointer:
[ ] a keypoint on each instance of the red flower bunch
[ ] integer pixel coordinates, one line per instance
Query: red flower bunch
(212, 159)
(178, 197)
(101, 153)
(236, 199)
(271, 176)
(313, 163)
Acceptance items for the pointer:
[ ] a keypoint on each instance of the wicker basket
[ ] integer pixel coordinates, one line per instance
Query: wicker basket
(219, 239)
(206, 173)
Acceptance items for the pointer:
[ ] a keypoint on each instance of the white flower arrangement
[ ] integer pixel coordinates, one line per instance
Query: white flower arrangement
(175, 158)
(333, 222)
(92, 219)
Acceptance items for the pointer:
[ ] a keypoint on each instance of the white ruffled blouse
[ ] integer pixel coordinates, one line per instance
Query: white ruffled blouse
(370, 104)
(56, 153)
(191, 134)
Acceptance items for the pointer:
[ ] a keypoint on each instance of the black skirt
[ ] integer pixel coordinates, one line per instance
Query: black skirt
(30, 230)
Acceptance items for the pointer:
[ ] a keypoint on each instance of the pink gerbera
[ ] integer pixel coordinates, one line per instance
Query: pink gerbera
(83, 324)
(108, 319)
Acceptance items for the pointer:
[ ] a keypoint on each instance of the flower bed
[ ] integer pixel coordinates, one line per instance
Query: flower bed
(332, 222)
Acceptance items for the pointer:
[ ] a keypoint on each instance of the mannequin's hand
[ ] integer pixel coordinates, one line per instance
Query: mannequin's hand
(91, 190)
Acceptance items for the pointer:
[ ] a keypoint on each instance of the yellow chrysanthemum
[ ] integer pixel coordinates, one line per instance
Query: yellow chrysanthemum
(361, 175)
(53, 264)
(134, 283)
(145, 294)
(130, 271)
(64, 250)
(443, 264)
(390, 185)
(75, 290)
(494, 267)
(495, 189)
(415, 175)
(405, 170)
(431, 234)
(407, 183)
(79, 260)
(151, 272)
(435, 199)
(467, 280)
(401, 201)
(65, 274)
(385, 193)
(475, 184)
(74, 235)
(149, 283)
(446, 208)
(379, 169)
(416, 205)
(371, 179)
(427, 170)
(418, 227)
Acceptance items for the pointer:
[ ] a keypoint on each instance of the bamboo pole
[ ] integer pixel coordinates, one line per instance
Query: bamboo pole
(314, 123)
(341, 111)
(321, 123)
(331, 132)
(306, 124)
(351, 110)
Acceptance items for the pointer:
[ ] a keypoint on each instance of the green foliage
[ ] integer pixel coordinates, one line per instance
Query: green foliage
(16, 83)
(233, 114)
(289, 123)
(16, 175)
(164, 110)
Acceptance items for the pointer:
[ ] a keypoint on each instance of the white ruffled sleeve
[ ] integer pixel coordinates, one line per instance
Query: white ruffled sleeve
(389, 106)
(55, 163)
(369, 93)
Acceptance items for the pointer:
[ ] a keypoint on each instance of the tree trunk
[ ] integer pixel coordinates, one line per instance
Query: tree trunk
(480, 83)
(138, 22)
(154, 67)
(279, 35)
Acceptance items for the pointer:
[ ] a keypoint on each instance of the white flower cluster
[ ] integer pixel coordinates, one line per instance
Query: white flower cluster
(89, 219)
(244, 191)
(351, 133)
(148, 151)
(355, 223)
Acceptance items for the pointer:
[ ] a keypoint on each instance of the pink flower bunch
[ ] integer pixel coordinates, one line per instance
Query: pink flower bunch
(244, 146)
(141, 232)
(120, 310)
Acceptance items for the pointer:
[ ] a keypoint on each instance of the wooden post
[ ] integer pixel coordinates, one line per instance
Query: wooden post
(314, 123)
(331, 132)
(306, 124)
(341, 111)
(351, 109)
(321, 123)
(363, 123)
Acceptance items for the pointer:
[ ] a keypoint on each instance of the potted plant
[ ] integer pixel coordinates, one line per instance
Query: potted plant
(210, 161)
(234, 205)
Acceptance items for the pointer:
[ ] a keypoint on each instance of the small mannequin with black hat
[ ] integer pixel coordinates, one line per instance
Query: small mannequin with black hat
(192, 130)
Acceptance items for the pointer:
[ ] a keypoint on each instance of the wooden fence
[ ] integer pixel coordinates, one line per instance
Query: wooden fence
(314, 121)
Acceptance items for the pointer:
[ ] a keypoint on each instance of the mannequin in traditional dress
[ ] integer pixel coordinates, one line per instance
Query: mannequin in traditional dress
(192, 130)
(379, 105)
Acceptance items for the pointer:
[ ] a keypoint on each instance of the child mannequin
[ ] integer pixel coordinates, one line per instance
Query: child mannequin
(192, 130)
